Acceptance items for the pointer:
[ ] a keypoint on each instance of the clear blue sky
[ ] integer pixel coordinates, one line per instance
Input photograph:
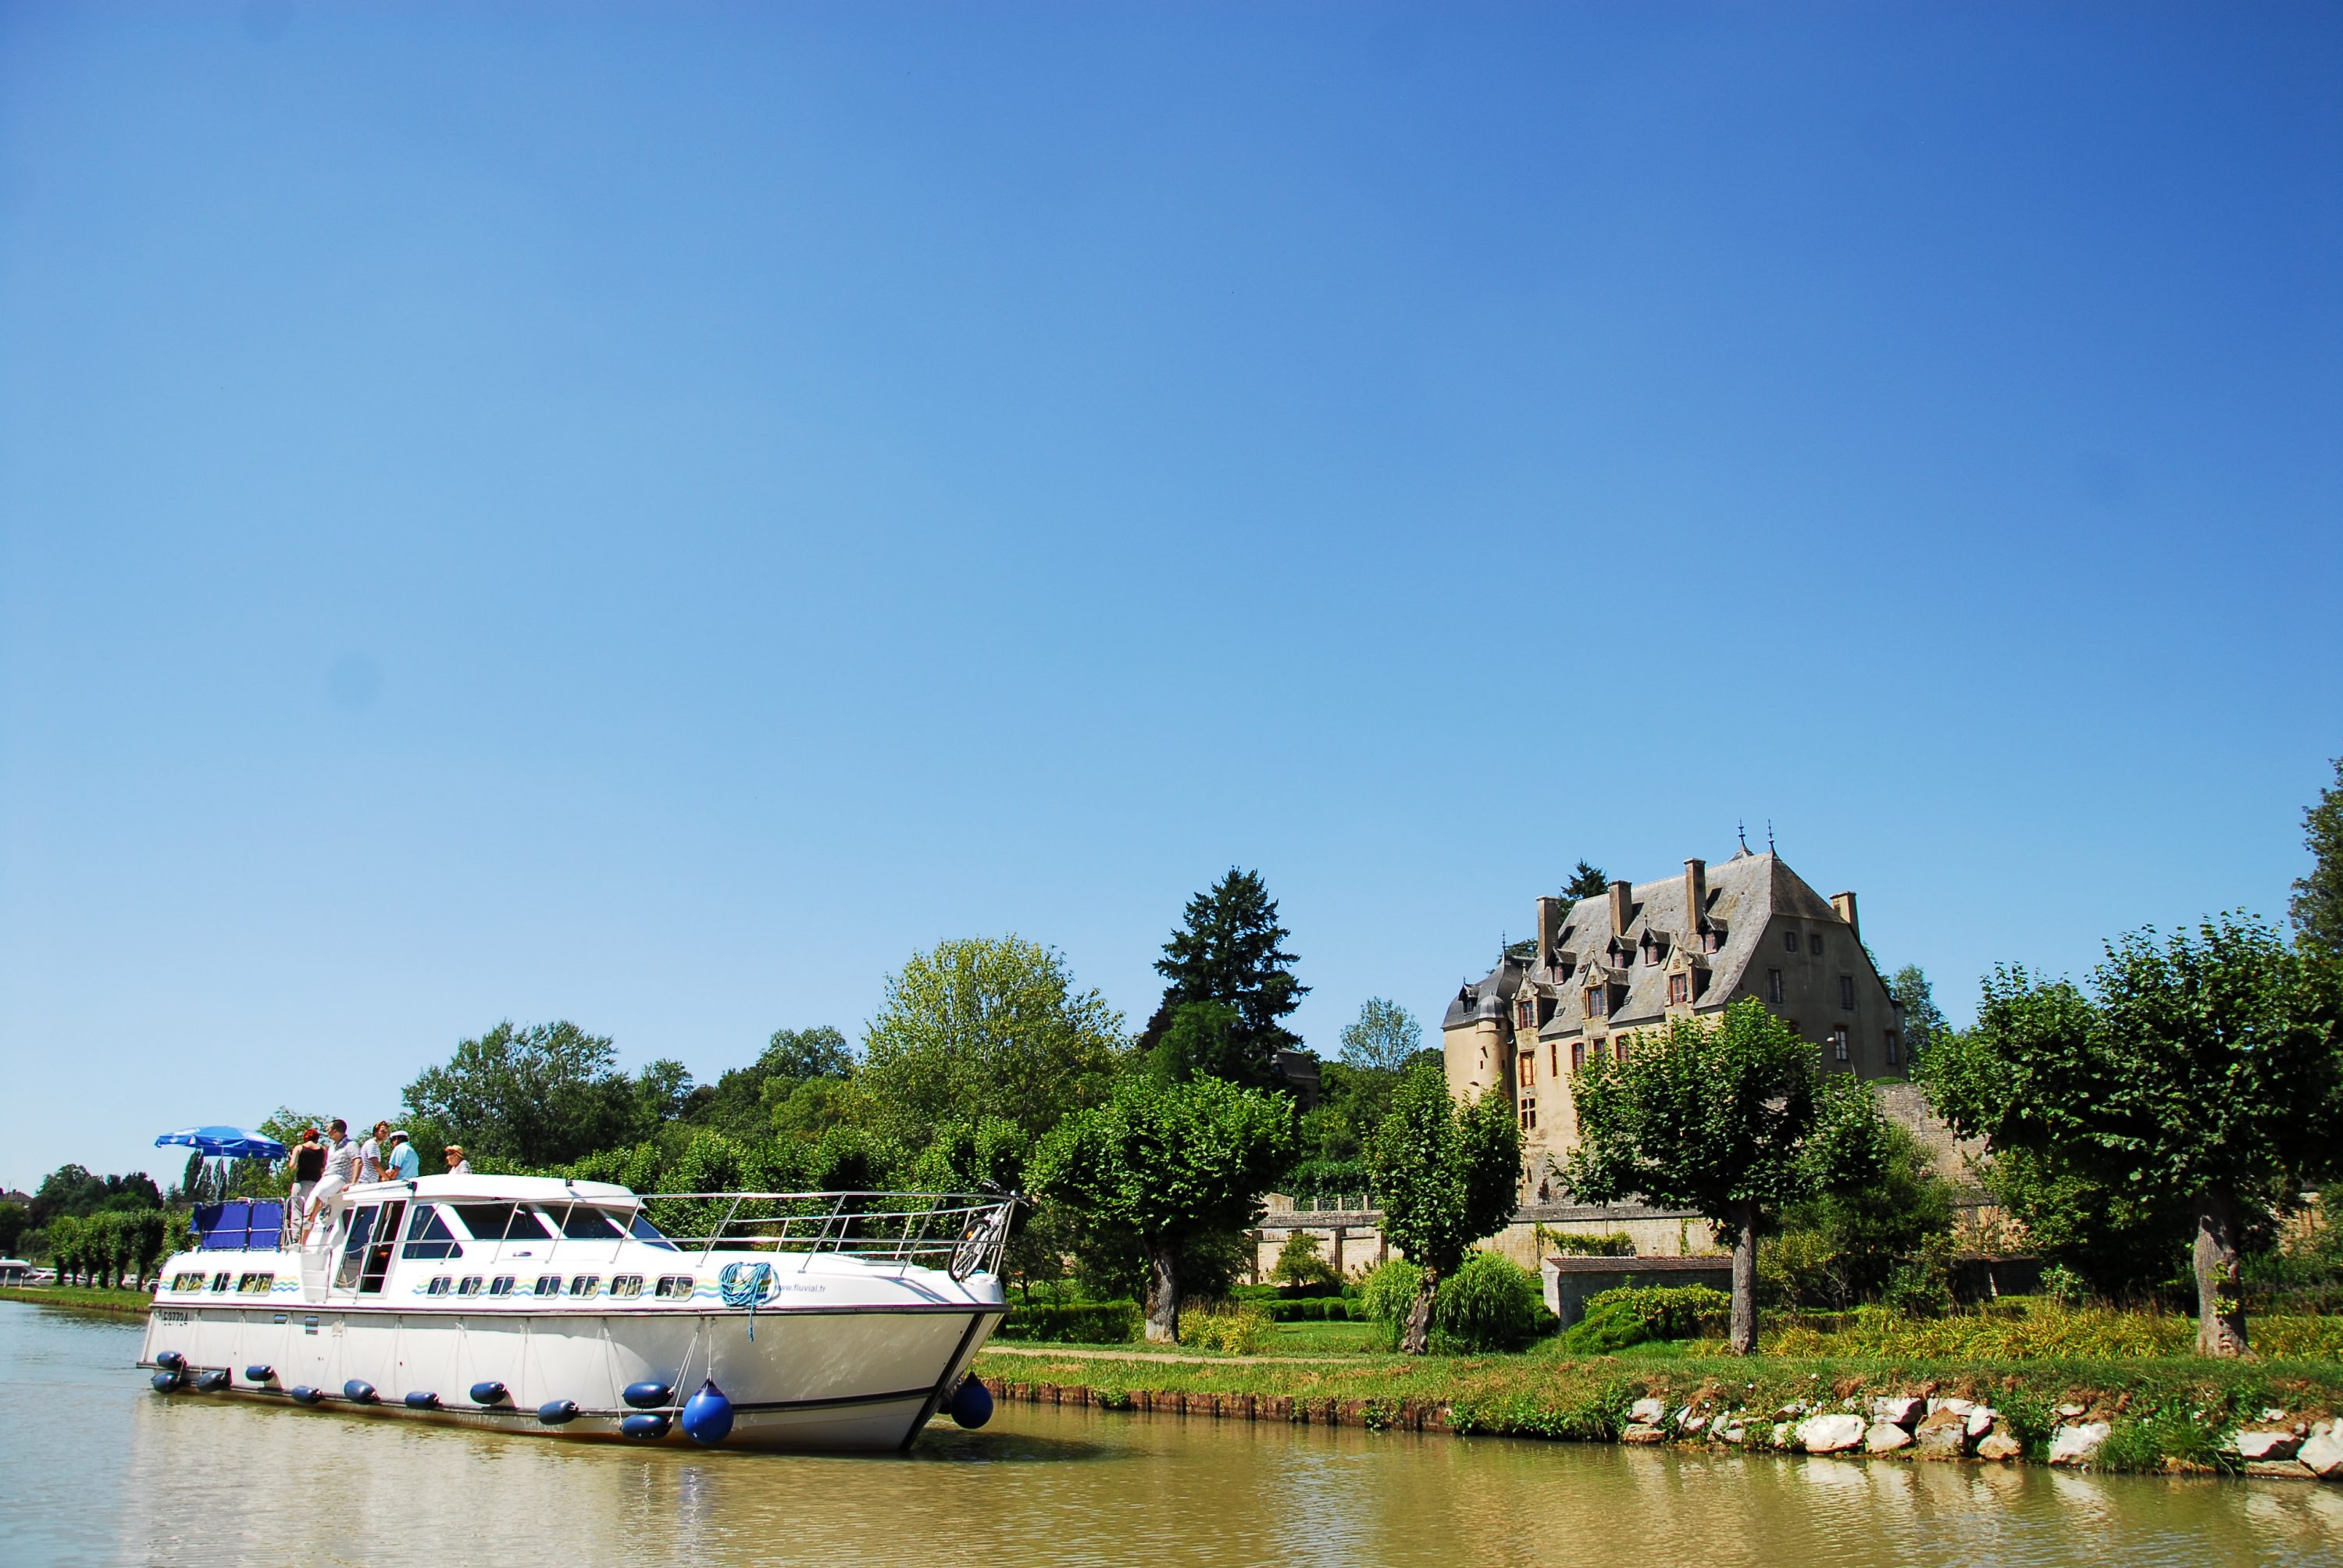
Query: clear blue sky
(651, 515)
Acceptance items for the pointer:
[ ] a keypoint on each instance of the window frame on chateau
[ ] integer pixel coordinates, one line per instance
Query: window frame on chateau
(1790, 940)
(1847, 993)
(1814, 944)
(1679, 988)
(1578, 1054)
(1840, 1043)
(1777, 988)
(1598, 1001)
(1895, 1048)
(1619, 1046)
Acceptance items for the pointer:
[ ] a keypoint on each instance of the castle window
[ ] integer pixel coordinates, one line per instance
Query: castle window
(1552, 1060)
(1712, 940)
(1529, 1067)
(1679, 988)
(1839, 1042)
(1847, 993)
(1895, 1048)
(1525, 1013)
(1790, 941)
(1619, 1047)
(1774, 989)
(1529, 1115)
(1598, 1000)
(1814, 944)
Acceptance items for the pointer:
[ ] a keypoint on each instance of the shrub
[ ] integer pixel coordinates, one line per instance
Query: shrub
(1239, 1328)
(1634, 1314)
(1490, 1303)
(2064, 1286)
(1300, 1270)
(1073, 1323)
(1800, 1269)
(1386, 1298)
(1615, 1244)
(1919, 1288)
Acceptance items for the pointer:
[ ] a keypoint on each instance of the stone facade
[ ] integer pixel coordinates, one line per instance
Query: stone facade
(1639, 956)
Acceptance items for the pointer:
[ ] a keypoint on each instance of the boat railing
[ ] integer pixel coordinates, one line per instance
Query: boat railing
(963, 1233)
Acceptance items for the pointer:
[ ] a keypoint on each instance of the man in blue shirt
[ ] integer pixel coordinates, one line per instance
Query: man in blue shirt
(403, 1163)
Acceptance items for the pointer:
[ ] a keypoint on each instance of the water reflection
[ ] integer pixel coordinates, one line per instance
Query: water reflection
(102, 1470)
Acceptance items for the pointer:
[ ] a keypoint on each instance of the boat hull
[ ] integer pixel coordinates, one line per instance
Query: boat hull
(843, 1377)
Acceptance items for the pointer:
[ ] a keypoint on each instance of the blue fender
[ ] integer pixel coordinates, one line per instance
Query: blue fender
(488, 1393)
(647, 1395)
(169, 1360)
(260, 1374)
(304, 1394)
(213, 1382)
(645, 1424)
(421, 1401)
(166, 1382)
(708, 1415)
(970, 1405)
(558, 1411)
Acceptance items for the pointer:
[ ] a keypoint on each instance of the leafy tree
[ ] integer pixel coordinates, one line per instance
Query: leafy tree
(1924, 1020)
(75, 1190)
(533, 1097)
(1586, 882)
(2206, 1068)
(1864, 1230)
(2317, 906)
(741, 1101)
(1446, 1175)
(1302, 1269)
(15, 1221)
(62, 1238)
(1229, 950)
(1171, 1164)
(980, 1027)
(2079, 1208)
(1384, 1037)
(1733, 1119)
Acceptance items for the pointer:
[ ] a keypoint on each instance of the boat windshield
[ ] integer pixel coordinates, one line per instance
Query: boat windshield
(644, 1230)
(501, 1222)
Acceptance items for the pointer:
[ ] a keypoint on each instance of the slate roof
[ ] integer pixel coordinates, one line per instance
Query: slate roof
(1744, 893)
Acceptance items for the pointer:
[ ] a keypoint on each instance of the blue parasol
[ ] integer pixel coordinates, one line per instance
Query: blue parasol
(226, 1143)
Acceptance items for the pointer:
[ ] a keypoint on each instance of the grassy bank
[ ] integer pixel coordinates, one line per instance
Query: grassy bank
(85, 1298)
(2165, 1413)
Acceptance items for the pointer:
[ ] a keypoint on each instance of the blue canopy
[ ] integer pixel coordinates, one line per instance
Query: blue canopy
(226, 1142)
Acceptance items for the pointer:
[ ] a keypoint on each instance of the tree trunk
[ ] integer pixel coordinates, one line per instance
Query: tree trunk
(1417, 1340)
(1163, 1296)
(2220, 1303)
(1742, 1339)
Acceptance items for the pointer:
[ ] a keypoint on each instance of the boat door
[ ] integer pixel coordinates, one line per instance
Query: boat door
(367, 1246)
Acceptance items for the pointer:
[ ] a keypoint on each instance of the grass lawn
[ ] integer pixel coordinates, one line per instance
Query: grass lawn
(88, 1297)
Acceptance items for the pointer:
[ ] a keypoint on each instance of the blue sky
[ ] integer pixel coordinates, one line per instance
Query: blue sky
(651, 515)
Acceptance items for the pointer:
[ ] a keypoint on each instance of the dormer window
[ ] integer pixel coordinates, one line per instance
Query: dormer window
(1679, 988)
(1598, 1000)
(1712, 940)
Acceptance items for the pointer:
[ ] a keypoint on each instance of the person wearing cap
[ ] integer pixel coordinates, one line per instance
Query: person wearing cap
(400, 1161)
(457, 1164)
(308, 1167)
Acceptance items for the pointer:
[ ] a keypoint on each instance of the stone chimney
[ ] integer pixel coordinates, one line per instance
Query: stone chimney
(1622, 908)
(1549, 921)
(1844, 904)
(1696, 896)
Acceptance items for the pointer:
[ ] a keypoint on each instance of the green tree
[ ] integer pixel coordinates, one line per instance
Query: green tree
(1171, 1164)
(76, 1190)
(1586, 882)
(1385, 1037)
(535, 1097)
(1867, 1229)
(1230, 950)
(982, 1027)
(1733, 1119)
(2205, 1066)
(62, 1237)
(741, 1103)
(15, 1219)
(1924, 1020)
(1446, 1175)
(2318, 905)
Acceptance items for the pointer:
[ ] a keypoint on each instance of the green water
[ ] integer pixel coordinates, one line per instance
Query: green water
(95, 1468)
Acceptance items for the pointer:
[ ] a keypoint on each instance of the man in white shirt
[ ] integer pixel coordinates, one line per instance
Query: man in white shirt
(370, 1153)
(341, 1165)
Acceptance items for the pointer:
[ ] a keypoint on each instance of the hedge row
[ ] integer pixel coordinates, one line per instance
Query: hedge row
(1074, 1322)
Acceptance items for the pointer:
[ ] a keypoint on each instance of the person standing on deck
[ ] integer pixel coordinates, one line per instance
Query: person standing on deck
(341, 1164)
(458, 1165)
(402, 1163)
(370, 1154)
(309, 1167)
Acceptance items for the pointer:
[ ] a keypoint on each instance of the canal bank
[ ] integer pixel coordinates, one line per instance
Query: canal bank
(2273, 1420)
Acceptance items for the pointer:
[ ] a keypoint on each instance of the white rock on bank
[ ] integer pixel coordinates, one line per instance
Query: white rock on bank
(2078, 1443)
(1902, 1413)
(1831, 1433)
(1981, 1419)
(1958, 1406)
(2323, 1455)
(1886, 1437)
(2267, 1445)
(2000, 1445)
(1647, 1412)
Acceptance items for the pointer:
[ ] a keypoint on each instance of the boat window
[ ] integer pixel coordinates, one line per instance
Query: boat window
(501, 1222)
(470, 1287)
(674, 1286)
(354, 1245)
(586, 1285)
(627, 1286)
(219, 1280)
(377, 1256)
(583, 1223)
(256, 1284)
(501, 1285)
(549, 1284)
(187, 1281)
(427, 1236)
(642, 1229)
(439, 1287)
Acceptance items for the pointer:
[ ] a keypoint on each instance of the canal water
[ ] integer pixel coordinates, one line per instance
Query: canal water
(95, 1468)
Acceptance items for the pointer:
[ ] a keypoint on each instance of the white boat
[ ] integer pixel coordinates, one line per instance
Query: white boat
(835, 1321)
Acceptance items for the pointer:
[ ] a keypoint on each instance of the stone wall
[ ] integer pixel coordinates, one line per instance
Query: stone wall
(1527, 1241)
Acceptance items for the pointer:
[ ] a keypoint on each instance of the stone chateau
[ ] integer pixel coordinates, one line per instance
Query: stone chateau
(1643, 954)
